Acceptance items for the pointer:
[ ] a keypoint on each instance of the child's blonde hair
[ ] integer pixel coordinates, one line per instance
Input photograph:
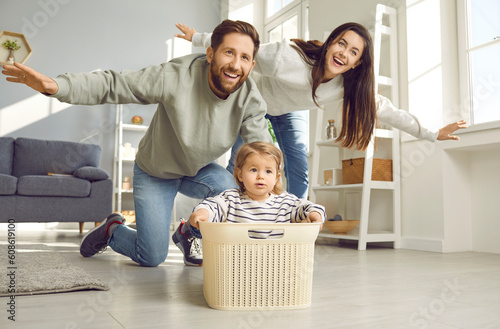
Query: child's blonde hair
(263, 149)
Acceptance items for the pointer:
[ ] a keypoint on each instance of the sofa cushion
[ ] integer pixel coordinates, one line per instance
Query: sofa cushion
(53, 186)
(8, 184)
(91, 173)
(39, 157)
(6, 155)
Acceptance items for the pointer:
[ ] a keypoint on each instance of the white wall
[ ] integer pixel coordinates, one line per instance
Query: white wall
(447, 202)
(450, 193)
(485, 208)
(80, 36)
(433, 75)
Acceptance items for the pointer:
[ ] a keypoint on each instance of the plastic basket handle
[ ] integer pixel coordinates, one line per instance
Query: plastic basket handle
(238, 232)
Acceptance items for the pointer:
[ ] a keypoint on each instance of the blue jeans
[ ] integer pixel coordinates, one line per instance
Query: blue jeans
(292, 134)
(154, 201)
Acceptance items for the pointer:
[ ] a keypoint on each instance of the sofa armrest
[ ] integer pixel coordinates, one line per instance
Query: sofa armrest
(91, 173)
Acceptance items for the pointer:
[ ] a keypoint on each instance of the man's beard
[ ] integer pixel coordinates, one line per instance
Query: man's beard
(216, 72)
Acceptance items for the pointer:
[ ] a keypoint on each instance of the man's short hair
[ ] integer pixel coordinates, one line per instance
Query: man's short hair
(228, 26)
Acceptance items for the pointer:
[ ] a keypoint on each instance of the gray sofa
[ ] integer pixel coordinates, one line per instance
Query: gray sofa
(80, 192)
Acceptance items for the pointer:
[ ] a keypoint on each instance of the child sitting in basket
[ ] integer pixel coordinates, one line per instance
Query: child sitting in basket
(259, 198)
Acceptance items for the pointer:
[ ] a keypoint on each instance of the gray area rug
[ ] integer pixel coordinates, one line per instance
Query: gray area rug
(39, 270)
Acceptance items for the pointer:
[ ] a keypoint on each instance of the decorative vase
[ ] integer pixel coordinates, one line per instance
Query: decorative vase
(11, 58)
(137, 120)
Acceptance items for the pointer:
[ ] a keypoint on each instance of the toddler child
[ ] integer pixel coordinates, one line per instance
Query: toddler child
(259, 198)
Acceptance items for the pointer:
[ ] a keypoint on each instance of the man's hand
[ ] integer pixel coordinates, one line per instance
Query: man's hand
(446, 132)
(19, 73)
(200, 215)
(188, 32)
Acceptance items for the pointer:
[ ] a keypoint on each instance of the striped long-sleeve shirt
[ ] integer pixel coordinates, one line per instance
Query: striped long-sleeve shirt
(235, 207)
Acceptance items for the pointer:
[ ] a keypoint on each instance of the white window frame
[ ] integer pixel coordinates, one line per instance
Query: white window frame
(298, 8)
(464, 47)
(279, 12)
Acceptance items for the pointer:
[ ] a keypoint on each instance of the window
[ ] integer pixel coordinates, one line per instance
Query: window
(273, 6)
(286, 19)
(480, 51)
(286, 30)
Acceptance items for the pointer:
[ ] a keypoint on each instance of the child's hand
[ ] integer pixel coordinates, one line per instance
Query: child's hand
(315, 217)
(200, 215)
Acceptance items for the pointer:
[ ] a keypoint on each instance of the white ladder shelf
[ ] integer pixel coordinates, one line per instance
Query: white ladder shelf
(363, 236)
(118, 160)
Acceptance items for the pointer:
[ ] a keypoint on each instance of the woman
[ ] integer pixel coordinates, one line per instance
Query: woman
(300, 75)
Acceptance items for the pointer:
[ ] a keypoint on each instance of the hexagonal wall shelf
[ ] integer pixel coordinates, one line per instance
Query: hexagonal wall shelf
(21, 55)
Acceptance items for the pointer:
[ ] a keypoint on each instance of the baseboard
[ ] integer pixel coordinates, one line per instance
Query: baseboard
(434, 245)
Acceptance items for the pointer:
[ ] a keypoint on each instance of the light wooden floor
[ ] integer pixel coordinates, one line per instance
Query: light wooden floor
(377, 288)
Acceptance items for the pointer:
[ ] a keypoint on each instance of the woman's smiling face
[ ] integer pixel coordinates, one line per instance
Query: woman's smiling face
(343, 54)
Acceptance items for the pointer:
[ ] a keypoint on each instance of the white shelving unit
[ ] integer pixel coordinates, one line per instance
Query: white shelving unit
(119, 160)
(365, 189)
(362, 235)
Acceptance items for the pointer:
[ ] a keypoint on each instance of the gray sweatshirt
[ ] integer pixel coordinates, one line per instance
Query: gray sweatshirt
(191, 127)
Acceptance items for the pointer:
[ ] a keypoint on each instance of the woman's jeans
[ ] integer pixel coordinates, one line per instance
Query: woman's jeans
(154, 201)
(292, 134)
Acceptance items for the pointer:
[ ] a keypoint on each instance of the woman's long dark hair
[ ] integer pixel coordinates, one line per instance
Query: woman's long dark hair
(359, 109)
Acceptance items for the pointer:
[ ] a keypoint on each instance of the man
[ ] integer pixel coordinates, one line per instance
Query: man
(204, 102)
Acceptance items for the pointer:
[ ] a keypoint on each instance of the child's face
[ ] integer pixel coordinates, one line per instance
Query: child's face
(259, 175)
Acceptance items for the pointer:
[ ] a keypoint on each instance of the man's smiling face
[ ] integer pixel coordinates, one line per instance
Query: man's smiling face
(230, 64)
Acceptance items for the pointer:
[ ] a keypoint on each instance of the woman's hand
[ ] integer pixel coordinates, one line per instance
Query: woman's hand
(19, 73)
(446, 132)
(188, 32)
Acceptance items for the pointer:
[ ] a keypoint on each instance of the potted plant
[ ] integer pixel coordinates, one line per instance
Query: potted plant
(12, 46)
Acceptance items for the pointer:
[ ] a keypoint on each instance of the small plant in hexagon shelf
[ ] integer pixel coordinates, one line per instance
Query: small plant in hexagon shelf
(12, 46)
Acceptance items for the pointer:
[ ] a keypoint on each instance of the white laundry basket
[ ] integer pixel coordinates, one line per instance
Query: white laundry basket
(242, 273)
